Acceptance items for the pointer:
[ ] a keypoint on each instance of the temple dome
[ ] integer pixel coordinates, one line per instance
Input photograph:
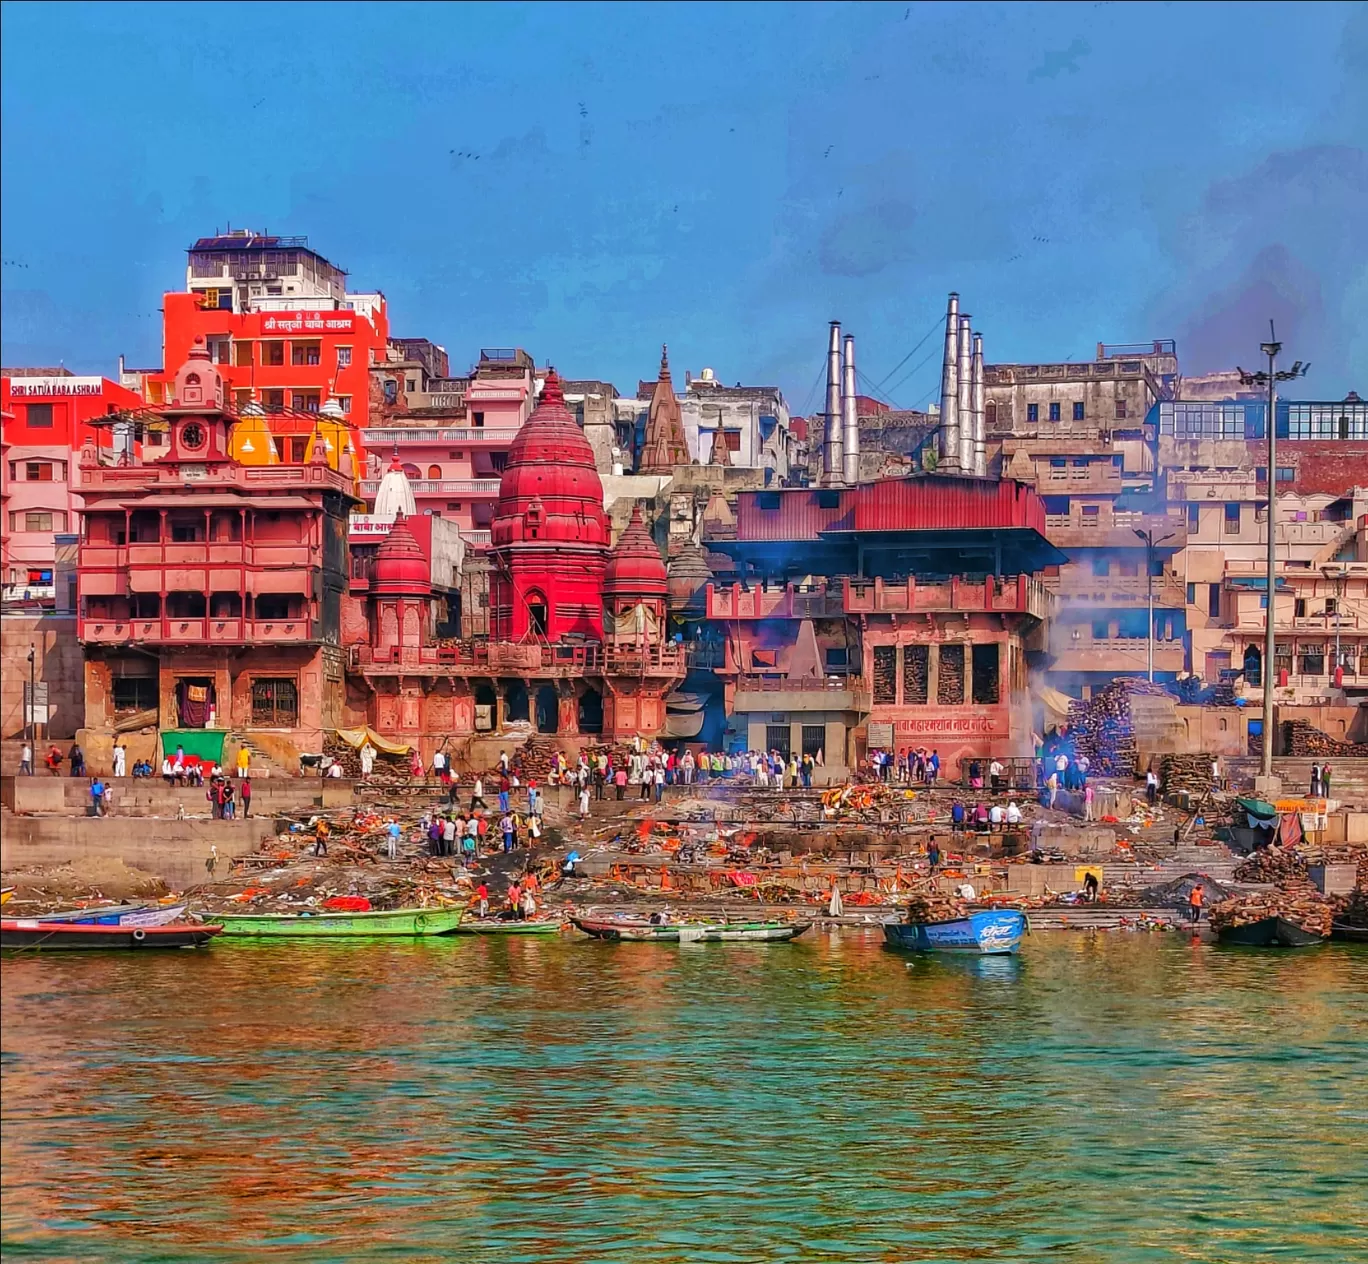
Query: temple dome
(635, 568)
(550, 464)
(688, 579)
(394, 496)
(400, 568)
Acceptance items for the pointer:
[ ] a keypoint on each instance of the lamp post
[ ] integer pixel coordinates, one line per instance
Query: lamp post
(1270, 378)
(1150, 542)
(31, 724)
(1338, 575)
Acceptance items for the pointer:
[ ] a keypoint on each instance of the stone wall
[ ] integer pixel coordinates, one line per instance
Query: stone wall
(58, 662)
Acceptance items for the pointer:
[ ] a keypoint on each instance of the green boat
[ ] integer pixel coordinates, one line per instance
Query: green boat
(491, 926)
(435, 921)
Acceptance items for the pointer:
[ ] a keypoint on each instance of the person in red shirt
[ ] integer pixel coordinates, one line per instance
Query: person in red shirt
(482, 900)
(515, 901)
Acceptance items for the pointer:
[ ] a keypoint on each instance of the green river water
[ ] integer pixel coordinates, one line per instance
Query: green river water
(1122, 1098)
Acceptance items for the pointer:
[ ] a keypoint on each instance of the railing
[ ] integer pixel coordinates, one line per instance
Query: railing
(503, 656)
(379, 437)
(476, 537)
(441, 486)
(1120, 590)
(202, 631)
(808, 684)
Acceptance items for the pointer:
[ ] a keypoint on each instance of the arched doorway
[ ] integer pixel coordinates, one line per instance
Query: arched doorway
(548, 710)
(590, 716)
(1253, 665)
(537, 614)
(515, 702)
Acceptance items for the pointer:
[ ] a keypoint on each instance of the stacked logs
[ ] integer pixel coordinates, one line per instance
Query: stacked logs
(1186, 772)
(1302, 908)
(1272, 864)
(950, 680)
(932, 906)
(1304, 740)
(1101, 726)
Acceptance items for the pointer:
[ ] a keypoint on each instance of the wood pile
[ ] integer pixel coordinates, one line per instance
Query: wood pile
(1186, 772)
(1272, 864)
(932, 906)
(1303, 740)
(885, 673)
(1352, 909)
(916, 674)
(950, 681)
(1303, 908)
(1102, 727)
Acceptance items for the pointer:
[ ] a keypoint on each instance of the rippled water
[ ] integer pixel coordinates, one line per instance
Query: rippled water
(1123, 1099)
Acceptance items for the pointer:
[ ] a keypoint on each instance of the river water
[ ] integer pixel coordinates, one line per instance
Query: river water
(1123, 1098)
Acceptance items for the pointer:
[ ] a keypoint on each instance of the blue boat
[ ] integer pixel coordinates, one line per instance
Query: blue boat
(991, 933)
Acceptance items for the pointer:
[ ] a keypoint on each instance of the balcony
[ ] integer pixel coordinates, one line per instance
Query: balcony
(829, 693)
(1015, 594)
(1115, 531)
(381, 437)
(1115, 655)
(440, 486)
(504, 657)
(1127, 591)
(792, 601)
(172, 631)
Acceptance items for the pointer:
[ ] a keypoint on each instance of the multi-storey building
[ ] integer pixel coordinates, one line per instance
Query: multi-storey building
(49, 416)
(210, 591)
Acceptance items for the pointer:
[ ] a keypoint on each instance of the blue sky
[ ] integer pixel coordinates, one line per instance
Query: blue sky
(724, 178)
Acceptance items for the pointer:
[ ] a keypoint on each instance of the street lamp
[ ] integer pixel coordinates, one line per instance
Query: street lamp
(1270, 378)
(31, 724)
(1338, 576)
(1150, 542)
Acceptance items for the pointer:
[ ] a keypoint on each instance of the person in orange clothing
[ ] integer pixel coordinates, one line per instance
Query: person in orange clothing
(1195, 904)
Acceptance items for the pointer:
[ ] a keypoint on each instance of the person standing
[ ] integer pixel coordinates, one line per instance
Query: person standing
(1088, 802)
(933, 852)
(367, 758)
(26, 759)
(933, 768)
(1315, 781)
(1090, 886)
(659, 778)
(246, 793)
(1325, 781)
(321, 832)
(504, 786)
(584, 799)
(835, 907)
(96, 797)
(506, 829)
(1195, 898)
(957, 817)
(1151, 787)
(482, 900)
(394, 831)
(244, 761)
(76, 758)
(477, 799)
(995, 775)
(120, 760)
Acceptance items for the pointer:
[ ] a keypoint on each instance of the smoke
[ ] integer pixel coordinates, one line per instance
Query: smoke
(1275, 241)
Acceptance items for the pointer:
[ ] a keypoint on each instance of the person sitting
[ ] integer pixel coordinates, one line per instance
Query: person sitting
(1013, 813)
(168, 771)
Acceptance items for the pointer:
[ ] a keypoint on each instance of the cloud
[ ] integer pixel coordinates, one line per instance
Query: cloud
(1056, 61)
(865, 240)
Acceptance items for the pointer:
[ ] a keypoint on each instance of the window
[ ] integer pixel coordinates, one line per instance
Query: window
(1214, 600)
(187, 532)
(343, 357)
(241, 398)
(391, 390)
(1194, 517)
(38, 520)
(990, 415)
(1313, 663)
(220, 348)
(275, 702)
(1120, 410)
(828, 500)
(1058, 463)
(1232, 519)
(135, 693)
(298, 448)
(305, 402)
(1286, 474)
(242, 354)
(344, 403)
(273, 401)
(1192, 594)
(273, 353)
(1032, 412)
(40, 416)
(1099, 629)
(1130, 568)
(837, 660)
(767, 500)
(777, 739)
(272, 606)
(305, 353)
(434, 471)
(1054, 412)
(453, 504)
(814, 739)
(1078, 413)
(1299, 607)
(38, 471)
(1101, 566)
(1263, 601)
(1090, 513)
(477, 419)
(1331, 605)
(412, 386)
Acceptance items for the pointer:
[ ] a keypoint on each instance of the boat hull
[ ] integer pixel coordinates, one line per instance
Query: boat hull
(1269, 932)
(1352, 934)
(509, 928)
(394, 922)
(46, 936)
(993, 933)
(690, 932)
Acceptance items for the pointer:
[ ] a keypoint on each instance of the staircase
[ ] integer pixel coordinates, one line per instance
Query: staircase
(262, 764)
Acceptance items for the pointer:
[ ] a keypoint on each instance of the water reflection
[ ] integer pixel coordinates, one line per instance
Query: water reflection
(1118, 1098)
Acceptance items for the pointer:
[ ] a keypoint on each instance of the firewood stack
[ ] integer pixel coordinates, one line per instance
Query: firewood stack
(1186, 772)
(950, 681)
(1302, 908)
(1304, 740)
(1102, 727)
(932, 906)
(339, 752)
(1276, 864)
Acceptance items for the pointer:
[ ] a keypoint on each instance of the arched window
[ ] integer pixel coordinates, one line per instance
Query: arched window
(990, 414)
(434, 471)
(537, 613)
(412, 471)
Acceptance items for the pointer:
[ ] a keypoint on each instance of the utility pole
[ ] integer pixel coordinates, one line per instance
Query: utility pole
(1150, 542)
(1270, 378)
(31, 719)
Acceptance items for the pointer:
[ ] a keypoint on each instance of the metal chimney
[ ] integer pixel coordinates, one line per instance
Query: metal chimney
(949, 429)
(965, 404)
(980, 426)
(850, 416)
(833, 460)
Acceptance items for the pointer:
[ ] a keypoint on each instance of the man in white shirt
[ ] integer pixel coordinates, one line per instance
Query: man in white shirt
(995, 775)
(1013, 813)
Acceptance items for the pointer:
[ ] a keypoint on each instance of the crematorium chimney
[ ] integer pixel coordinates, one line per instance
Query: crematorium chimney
(850, 416)
(833, 459)
(949, 428)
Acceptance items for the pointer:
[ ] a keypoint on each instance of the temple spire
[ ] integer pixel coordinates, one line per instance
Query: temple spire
(666, 446)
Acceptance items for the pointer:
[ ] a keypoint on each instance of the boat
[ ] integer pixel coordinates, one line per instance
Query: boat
(991, 933)
(638, 929)
(492, 926)
(410, 922)
(1353, 934)
(29, 932)
(119, 915)
(1269, 932)
(6, 895)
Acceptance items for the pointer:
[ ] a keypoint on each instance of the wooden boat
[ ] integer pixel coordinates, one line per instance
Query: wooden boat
(1353, 934)
(6, 895)
(26, 932)
(410, 922)
(120, 915)
(994, 932)
(637, 929)
(1269, 932)
(492, 926)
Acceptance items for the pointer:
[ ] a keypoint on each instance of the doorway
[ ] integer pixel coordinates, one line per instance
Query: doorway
(548, 710)
(590, 715)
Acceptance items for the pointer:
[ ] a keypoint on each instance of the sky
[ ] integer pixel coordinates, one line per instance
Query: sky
(590, 181)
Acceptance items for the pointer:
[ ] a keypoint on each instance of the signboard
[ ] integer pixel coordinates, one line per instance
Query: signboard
(955, 723)
(309, 322)
(880, 735)
(32, 387)
(36, 703)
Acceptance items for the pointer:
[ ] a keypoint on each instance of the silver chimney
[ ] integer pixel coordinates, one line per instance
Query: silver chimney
(949, 427)
(850, 416)
(980, 427)
(833, 459)
(965, 405)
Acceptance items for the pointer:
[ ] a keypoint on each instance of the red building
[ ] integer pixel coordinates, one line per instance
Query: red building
(578, 641)
(894, 614)
(209, 591)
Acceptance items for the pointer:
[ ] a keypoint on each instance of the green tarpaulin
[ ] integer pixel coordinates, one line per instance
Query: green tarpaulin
(205, 745)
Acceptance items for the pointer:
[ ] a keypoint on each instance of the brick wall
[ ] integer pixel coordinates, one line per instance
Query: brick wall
(58, 662)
